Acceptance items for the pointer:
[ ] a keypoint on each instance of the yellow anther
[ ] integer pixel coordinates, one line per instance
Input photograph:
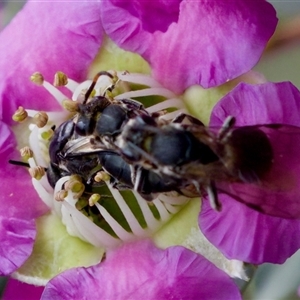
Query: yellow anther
(61, 195)
(75, 177)
(70, 105)
(26, 153)
(46, 135)
(74, 185)
(101, 176)
(40, 119)
(37, 172)
(94, 199)
(60, 79)
(20, 115)
(37, 78)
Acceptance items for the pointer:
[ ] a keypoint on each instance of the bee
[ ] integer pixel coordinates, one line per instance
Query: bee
(67, 159)
(104, 118)
(247, 163)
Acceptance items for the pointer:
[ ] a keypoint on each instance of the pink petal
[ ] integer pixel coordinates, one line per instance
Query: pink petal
(192, 42)
(16, 238)
(46, 37)
(17, 198)
(239, 231)
(19, 290)
(259, 104)
(141, 271)
(278, 191)
(245, 234)
(19, 205)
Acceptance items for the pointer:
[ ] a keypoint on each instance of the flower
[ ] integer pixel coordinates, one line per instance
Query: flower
(23, 55)
(266, 103)
(126, 274)
(192, 42)
(72, 46)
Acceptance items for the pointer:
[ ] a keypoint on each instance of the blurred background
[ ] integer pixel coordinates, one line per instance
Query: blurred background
(280, 62)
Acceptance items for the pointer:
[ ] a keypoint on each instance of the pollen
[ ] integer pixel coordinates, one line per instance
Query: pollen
(61, 195)
(20, 115)
(60, 79)
(46, 135)
(101, 176)
(74, 185)
(26, 153)
(37, 172)
(40, 119)
(37, 78)
(70, 105)
(94, 199)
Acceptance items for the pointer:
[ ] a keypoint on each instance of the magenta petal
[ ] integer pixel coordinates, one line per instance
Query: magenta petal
(259, 104)
(239, 231)
(245, 234)
(194, 42)
(46, 37)
(142, 271)
(16, 239)
(19, 290)
(17, 198)
(278, 191)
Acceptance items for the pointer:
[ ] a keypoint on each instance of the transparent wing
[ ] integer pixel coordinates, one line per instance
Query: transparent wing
(277, 193)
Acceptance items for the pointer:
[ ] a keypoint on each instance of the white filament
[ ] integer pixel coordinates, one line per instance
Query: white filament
(77, 223)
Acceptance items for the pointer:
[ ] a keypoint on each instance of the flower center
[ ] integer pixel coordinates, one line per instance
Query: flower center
(93, 209)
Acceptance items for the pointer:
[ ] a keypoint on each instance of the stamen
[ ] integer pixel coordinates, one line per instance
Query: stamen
(117, 228)
(94, 199)
(129, 216)
(40, 119)
(63, 200)
(61, 195)
(47, 135)
(164, 214)
(37, 78)
(101, 176)
(20, 115)
(138, 78)
(70, 105)
(38, 172)
(74, 185)
(152, 223)
(92, 233)
(60, 79)
(147, 92)
(174, 102)
(26, 153)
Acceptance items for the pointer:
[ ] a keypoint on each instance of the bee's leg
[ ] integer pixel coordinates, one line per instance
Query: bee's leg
(136, 176)
(213, 196)
(227, 125)
(180, 117)
(131, 104)
(90, 89)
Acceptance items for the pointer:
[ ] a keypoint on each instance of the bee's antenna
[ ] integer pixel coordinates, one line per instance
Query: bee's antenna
(213, 196)
(19, 163)
(90, 89)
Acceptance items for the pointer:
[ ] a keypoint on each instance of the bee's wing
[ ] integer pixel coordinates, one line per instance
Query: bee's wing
(278, 192)
(78, 146)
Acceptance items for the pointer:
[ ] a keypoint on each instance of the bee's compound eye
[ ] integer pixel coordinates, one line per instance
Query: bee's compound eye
(85, 126)
(111, 120)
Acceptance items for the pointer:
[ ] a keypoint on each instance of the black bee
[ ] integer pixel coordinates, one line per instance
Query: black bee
(67, 160)
(247, 163)
(104, 118)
